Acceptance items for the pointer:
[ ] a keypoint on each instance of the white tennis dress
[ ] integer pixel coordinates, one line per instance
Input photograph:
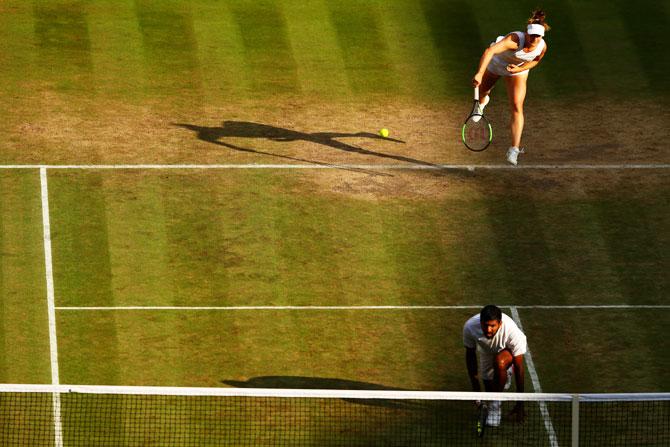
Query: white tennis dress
(499, 62)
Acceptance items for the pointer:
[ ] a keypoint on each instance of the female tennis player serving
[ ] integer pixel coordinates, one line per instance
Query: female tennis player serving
(511, 57)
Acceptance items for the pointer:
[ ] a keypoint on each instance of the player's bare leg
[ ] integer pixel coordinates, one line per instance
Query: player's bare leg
(502, 363)
(516, 92)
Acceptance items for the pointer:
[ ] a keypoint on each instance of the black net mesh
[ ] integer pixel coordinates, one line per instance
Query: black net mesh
(167, 420)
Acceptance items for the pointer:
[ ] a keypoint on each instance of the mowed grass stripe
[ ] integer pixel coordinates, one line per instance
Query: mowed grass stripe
(411, 49)
(531, 273)
(580, 252)
(220, 51)
(269, 56)
(606, 47)
(471, 261)
(599, 352)
(82, 269)
(198, 236)
(567, 53)
(64, 45)
(634, 246)
(18, 37)
(455, 33)
(18, 80)
(646, 22)
(417, 254)
(363, 45)
(24, 338)
(116, 50)
(170, 48)
(138, 242)
(318, 56)
(362, 257)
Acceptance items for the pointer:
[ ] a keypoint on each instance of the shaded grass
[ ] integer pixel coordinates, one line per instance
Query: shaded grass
(644, 24)
(599, 351)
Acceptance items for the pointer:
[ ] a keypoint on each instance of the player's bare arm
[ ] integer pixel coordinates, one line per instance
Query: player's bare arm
(517, 361)
(471, 363)
(511, 42)
(518, 410)
(528, 65)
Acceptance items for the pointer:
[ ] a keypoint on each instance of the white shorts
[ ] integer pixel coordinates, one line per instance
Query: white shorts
(486, 365)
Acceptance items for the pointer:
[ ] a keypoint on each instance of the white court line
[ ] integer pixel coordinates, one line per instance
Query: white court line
(548, 425)
(455, 307)
(53, 342)
(380, 167)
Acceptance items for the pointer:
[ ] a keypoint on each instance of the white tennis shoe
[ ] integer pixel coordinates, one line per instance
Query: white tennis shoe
(480, 109)
(495, 414)
(513, 153)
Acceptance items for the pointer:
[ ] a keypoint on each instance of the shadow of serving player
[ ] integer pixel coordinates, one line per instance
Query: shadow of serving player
(321, 383)
(245, 129)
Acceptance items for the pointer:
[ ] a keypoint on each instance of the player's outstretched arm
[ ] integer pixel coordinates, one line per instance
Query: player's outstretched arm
(511, 42)
(471, 364)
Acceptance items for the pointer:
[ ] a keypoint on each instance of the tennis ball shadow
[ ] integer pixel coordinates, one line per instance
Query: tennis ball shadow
(245, 129)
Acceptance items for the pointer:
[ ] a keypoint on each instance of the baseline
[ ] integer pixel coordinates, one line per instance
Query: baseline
(381, 167)
(455, 307)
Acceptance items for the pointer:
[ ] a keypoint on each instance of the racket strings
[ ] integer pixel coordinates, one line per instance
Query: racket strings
(476, 133)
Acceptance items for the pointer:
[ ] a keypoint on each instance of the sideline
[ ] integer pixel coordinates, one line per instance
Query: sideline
(548, 425)
(53, 341)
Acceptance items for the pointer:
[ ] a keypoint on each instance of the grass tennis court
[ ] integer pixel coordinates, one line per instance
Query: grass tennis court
(223, 238)
(186, 268)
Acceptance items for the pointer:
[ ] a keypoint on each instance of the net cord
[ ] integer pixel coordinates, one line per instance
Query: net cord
(326, 394)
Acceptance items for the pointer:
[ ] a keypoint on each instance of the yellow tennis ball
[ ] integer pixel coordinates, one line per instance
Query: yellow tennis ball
(384, 132)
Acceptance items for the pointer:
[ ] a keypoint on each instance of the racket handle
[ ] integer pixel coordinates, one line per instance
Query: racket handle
(476, 93)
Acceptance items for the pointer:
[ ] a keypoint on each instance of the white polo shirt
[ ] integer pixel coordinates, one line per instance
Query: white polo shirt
(509, 336)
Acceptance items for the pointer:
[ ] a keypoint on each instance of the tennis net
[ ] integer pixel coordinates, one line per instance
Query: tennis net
(62, 415)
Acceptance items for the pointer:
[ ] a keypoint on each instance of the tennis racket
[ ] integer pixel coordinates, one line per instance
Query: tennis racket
(482, 413)
(476, 132)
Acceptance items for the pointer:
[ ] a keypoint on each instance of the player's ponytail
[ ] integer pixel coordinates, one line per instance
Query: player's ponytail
(539, 17)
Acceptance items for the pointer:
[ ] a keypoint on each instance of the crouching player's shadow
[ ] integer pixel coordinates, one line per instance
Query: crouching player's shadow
(321, 383)
(244, 129)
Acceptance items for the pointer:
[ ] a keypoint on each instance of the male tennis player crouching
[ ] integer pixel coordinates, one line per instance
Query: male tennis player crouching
(501, 346)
